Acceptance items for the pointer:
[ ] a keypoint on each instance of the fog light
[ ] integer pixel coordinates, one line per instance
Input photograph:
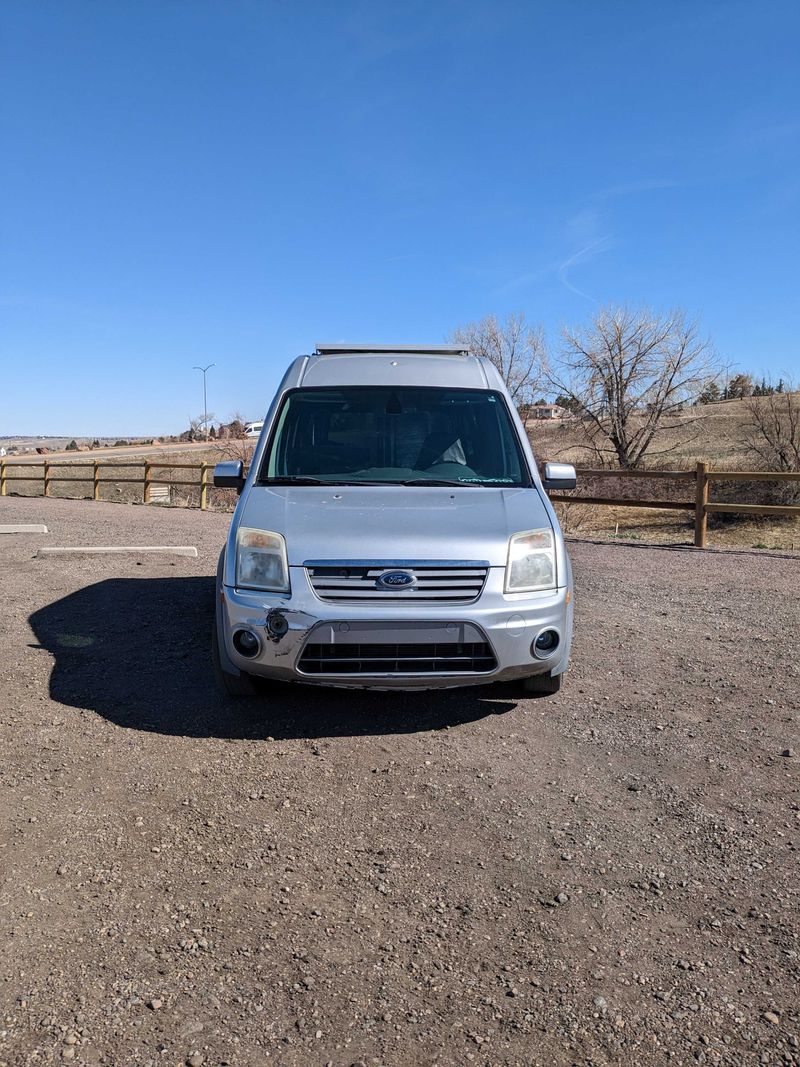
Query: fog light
(545, 644)
(246, 643)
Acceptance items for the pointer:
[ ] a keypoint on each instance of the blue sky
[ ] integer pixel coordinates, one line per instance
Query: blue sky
(231, 182)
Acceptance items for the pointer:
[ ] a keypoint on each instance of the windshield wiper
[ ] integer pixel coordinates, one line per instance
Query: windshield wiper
(305, 479)
(440, 481)
(296, 480)
(302, 479)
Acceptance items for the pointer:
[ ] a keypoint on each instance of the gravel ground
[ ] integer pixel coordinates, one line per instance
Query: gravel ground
(609, 875)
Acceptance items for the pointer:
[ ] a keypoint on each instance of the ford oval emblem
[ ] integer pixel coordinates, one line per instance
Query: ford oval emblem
(395, 580)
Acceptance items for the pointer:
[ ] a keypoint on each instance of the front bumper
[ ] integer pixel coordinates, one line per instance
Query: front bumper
(509, 623)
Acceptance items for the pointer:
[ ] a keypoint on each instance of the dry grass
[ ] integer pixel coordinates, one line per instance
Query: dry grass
(652, 526)
(719, 439)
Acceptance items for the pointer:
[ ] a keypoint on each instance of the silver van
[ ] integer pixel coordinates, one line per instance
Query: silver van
(393, 532)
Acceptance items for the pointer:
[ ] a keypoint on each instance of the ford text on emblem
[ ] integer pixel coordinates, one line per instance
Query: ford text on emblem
(395, 580)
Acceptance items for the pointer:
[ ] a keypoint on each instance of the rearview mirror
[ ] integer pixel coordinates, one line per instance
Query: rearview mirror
(559, 476)
(229, 475)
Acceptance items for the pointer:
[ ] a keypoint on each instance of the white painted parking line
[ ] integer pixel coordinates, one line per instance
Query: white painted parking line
(133, 550)
(30, 527)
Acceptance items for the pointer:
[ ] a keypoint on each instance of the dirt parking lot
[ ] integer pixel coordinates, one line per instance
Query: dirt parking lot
(607, 876)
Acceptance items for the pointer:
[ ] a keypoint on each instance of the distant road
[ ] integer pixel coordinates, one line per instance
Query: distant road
(134, 452)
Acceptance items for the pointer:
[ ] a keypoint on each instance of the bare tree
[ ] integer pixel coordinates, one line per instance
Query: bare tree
(236, 448)
(234, 445)
(773, 430)
(198, 427)
(236, 424)
(516, 349)
(629, 373)
(740, 386)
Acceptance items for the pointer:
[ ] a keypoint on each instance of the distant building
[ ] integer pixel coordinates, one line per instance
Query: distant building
(548, 411)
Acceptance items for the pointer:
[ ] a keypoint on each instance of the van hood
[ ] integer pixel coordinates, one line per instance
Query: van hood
(394, 522)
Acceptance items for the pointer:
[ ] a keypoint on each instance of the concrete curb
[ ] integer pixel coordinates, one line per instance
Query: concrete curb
(18, 528)
(105, 550)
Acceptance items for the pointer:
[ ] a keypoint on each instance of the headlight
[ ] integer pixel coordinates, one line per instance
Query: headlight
(531, 561)
(261, 561)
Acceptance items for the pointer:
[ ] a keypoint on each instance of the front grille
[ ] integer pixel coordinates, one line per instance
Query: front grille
(451, 657)
(458, 582)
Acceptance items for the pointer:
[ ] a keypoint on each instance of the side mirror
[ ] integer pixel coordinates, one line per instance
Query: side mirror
(229, 475)
(559, 476)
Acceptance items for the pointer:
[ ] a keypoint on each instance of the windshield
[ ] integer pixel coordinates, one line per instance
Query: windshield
(393, 436)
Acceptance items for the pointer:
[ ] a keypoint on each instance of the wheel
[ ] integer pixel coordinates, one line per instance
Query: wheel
(541, 684)
(231, 685)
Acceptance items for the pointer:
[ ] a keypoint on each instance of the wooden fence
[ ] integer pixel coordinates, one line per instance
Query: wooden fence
(702, 506)
(700, 478)
(147, 479)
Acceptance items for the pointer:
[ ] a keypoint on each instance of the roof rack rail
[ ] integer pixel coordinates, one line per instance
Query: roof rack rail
(406, 350)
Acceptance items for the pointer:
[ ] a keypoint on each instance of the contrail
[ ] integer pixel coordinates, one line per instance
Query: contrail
(563, 270)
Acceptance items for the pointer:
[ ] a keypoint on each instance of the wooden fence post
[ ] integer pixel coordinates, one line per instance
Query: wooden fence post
(96, 480)
(2, 477)
(204, 486)
(700, 501)
(148, 478)
(46, 476)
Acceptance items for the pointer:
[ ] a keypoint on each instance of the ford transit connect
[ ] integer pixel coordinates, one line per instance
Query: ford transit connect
(393, 532)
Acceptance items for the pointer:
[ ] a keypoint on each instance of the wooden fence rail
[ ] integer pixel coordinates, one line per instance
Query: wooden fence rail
(701, 478)
(147, 479)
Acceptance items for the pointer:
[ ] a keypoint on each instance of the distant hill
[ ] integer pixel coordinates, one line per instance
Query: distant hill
(718, 436)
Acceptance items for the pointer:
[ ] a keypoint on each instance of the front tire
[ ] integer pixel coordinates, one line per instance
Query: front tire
(240, 685)
(541, 684)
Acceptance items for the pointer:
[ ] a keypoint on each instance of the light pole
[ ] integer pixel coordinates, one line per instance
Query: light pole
(205, 399)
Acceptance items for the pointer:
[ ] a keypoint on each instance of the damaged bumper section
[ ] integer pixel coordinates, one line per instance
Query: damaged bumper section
(386, 645)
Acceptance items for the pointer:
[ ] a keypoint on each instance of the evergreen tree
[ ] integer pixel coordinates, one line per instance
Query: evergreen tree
(567, 402)
(710, 394)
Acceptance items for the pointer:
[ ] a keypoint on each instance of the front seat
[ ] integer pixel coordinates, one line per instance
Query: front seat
(440, 447)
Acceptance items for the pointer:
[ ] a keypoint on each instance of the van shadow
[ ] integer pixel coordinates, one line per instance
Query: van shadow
(137, 651)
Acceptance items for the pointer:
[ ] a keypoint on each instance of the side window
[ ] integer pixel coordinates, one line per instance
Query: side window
(277, 465)
(511, 458)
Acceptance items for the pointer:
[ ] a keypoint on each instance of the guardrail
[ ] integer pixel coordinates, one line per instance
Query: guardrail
(701, 477)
